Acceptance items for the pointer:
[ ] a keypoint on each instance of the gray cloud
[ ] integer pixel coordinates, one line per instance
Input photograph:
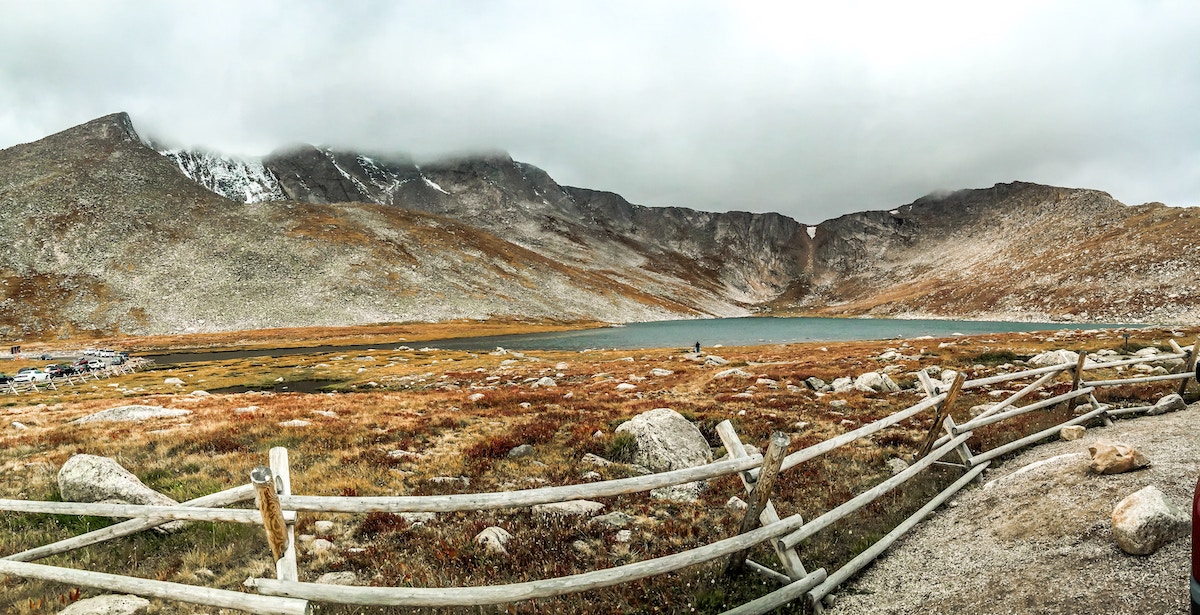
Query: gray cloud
(810, 109)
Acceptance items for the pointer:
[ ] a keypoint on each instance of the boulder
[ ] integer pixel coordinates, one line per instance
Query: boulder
(474, 397)
(1056, 357)
(815, 383)
(90, 478)
(736, 504)
(175, 381)
(842, 385)
(493, 539)
(732, 373)
(1169, 403)
(108, 605)
(625, 386)
(869, 382)
(523, 450)
(665, 441)
(1147, 520)
(660, 372)
(715, 361)
(887, 385)
(1112, 457)
(1072, 432)
(545, 381)
(131, 413)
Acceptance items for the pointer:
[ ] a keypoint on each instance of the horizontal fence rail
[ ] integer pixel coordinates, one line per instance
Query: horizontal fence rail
(287, 594)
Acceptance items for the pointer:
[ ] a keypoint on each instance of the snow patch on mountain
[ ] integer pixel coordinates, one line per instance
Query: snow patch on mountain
(245, 180)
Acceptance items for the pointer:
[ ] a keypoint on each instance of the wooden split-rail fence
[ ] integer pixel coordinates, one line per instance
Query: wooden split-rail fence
(277, 509)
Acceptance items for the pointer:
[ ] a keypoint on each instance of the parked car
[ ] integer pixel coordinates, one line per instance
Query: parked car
(58, 370)
(5, 379)
(30, 374)
(87, 365)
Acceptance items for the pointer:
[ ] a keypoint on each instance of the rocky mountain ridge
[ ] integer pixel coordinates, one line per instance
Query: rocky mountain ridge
(106, 233)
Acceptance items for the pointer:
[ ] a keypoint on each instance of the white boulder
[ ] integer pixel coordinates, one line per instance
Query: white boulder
(1147, 520)
(131, 413)
(665, 441)
(91, 478)
(493, 539)
(108, 605)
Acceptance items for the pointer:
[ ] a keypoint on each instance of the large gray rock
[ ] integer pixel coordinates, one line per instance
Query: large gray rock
(1169, 403)
(666, 441)
(90, 478)
(1147, 520)
(132, 413)
(108, 605)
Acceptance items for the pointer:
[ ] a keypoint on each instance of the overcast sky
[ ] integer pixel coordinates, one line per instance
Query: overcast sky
(812, 109)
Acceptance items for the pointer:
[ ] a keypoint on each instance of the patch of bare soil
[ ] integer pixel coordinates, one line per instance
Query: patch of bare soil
(1036, 537)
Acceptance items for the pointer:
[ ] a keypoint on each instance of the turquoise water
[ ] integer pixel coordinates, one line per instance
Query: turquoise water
(679, 334)
(745, 332)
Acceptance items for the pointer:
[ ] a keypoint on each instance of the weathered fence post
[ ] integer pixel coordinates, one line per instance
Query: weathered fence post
(789, 558)
(964, 451)
(776, 451)
(285, 567)
(272, 514)
(1189, 365)
(943, 410)
(1076, 379)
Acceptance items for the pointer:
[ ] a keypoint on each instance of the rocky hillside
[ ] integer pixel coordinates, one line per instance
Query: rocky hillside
(105, 233)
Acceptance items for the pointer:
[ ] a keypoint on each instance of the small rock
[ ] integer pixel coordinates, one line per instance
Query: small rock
(19, 425)
(660, 372)
(545, 381)
(896, 465)
(473, 397)
(839, 403)
(323, 526)
(493, 539)
(320, 546)
(615, 519)
(592, 476)
(200, 393)
(736, 504)
(815, 383)
(175, 381)
(569, 508)
(767, 382)
(625, 386)
(344, 577)
(682, 494)
(108, 605)
(451, 480)
(523, 450)
(596, 460)
(581, 547)
(979, 409)
(842, 385)
(295, 423)
(404, 455)
(1111, 457)
(1147, 520)
(799, 426)
(714, 360)
(1072, 432)
(562, 366)
(623, 536)
(1169, 403)
(414, 518)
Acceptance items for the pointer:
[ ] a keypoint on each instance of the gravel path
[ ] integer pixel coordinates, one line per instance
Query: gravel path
(1038, 538)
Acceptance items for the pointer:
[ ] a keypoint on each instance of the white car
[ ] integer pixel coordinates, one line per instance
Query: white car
(31, 375)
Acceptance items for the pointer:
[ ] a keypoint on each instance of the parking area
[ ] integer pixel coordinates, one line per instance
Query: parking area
(53, 370)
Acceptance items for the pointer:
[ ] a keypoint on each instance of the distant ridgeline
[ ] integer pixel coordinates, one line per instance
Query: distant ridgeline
(105, 233)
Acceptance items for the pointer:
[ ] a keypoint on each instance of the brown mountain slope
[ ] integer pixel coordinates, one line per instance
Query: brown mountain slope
(1016, 250)
(105, 234)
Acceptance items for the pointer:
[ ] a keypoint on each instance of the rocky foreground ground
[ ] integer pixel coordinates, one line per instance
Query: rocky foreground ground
(1037, 536)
